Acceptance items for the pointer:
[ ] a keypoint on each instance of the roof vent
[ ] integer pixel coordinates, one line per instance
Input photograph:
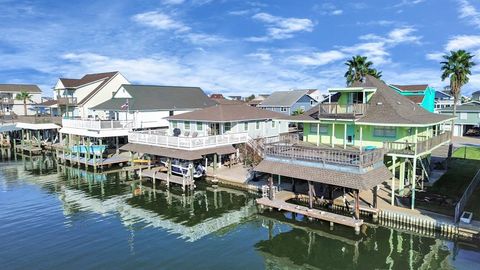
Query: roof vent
(398, 102)
(379, 103)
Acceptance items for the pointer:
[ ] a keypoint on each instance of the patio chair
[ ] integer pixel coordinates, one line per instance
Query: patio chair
(194, 134)
(186, 133)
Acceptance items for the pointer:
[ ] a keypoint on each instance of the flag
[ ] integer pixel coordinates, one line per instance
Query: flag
(125, 105)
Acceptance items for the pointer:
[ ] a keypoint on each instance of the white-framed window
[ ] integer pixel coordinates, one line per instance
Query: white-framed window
(283, 109)
(312, 102)
(273, 123)
(463, 115)
(245, 126)
(257, 124)
(390, 132)
(323, 129)
(199, 126)
(187, 125)
(227, 126)
(174, 124)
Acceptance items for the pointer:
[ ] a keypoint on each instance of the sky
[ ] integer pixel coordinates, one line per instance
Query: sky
(236, 47)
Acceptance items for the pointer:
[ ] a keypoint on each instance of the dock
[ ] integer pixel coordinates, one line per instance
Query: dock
(73, 159)
(157, 174)
(313, 213)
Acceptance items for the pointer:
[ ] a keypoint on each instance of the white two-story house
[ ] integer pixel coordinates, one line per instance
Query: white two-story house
(9, 104)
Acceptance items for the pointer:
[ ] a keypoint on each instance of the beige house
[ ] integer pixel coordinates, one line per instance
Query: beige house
(9, 104)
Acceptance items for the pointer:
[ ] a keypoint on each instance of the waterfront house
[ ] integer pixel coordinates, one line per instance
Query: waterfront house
(287, 102)
(420, 94)
(349, 144)
(476, 96)
(10, 105)
(442, 100)
(467, 118)
(257, 100)
(76, 97)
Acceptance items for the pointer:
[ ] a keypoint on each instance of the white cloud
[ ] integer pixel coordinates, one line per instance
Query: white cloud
(262, 56)
(317, 58)
(409, 3)
(173, 2)
(160, 21)
(464, 42)
(469, 13)
(435, 56)
(337, 12)
(396, 36)
(378, 22)
(327, 9)
(281, 28)
(204, 39)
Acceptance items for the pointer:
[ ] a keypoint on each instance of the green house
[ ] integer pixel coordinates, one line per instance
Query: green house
(347, 143)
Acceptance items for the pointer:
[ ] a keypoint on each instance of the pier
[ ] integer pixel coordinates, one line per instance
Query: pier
(157, 174)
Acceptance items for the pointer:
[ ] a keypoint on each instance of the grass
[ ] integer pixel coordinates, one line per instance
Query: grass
(462, 168)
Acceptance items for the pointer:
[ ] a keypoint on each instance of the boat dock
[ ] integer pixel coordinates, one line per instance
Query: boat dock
(313, 213)
(94, 162)
(160, 173)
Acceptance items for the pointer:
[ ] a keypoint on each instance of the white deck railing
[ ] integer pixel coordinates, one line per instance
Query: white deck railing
(91, 124)
(188, 143)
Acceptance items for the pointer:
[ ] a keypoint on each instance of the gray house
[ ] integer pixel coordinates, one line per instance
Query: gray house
(288, 102)
(476, 96)
(468, 116)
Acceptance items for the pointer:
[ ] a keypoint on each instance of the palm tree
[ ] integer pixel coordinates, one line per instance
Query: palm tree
(25, 96)
(457, 67)
(358, 68)
(298, 111)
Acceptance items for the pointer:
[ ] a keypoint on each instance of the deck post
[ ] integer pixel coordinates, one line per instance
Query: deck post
(87, 153)
(279, 180)
(414, 180)
(23, 138)
(78, 154)
(310, 195)
(270, 187)
(332, 138)
(345, 136)
(116, 145)
(361, 137)
(402, 176)
(318, 133)
(357, 204)
(215, 166)
(38, 139)
(169, 171)
(394, 158)
(375, 196)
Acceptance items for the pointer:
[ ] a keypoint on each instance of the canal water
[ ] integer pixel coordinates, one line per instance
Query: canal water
(54, 217)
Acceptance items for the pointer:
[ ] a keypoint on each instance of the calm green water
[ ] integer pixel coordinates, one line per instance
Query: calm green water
(56, 220)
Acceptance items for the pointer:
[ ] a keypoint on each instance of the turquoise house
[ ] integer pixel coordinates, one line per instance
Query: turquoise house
(420, 94)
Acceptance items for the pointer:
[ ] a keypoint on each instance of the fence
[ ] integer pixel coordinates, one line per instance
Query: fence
(466, 195)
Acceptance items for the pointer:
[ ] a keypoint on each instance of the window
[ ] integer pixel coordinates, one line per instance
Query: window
(314, 127)
(283, 109)
(187, 125)
(245, 126)
(199, 126)
(312, 102)
(257, 125)
(463, 116)
(273, 124)
(174, 124)
(227, 126)
(385, 132)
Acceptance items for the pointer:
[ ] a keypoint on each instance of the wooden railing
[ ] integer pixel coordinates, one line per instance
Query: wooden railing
(325, 155)
(188, 143)
(342, 109)
(67, 100)
(92, 124)
(409, 148)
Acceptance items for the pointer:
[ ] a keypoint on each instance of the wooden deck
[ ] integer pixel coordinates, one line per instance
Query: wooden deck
(162, 176)
(314, 213)
(27, 148)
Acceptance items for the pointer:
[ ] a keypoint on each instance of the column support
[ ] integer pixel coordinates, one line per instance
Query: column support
(414, 180)
(393, 179)
(318, 133)
(332, 137)
(357, 204)
(345, 136)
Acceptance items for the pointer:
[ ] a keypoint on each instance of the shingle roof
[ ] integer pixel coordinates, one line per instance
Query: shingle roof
(469, 106)
(362, 181)
(283, 98)
(155, 97)
(416, 99)
(389, 107)
(223, 101)
(476, 93)
(88, 78)
(31, 88)
(227, 113)
(411, 87)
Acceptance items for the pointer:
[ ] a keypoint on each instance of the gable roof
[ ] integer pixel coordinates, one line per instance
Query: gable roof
(472, 106)
(10, 87)
(411, 87)
(442, 94)
(156, 97)
(416, 99)
(476, 93)
(283, 98)
(224, 101)
(86, 79)
(228, 113)
(387, 106)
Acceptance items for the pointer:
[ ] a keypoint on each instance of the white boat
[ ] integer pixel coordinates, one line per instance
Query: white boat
(182, 170)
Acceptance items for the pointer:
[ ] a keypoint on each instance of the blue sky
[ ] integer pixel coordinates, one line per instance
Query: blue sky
(234, 46)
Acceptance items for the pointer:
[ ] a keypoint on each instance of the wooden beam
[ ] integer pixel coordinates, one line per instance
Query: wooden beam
(310, 195)
(375, 196)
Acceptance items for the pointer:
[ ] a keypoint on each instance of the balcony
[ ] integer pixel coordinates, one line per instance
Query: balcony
(335, 110)
(187, 143)
(293, 151)
(6, 100)
(91, 124)
(410, 148)
(70, 101)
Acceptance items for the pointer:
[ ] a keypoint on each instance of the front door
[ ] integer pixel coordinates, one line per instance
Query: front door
(214, 128)
(350, 134)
